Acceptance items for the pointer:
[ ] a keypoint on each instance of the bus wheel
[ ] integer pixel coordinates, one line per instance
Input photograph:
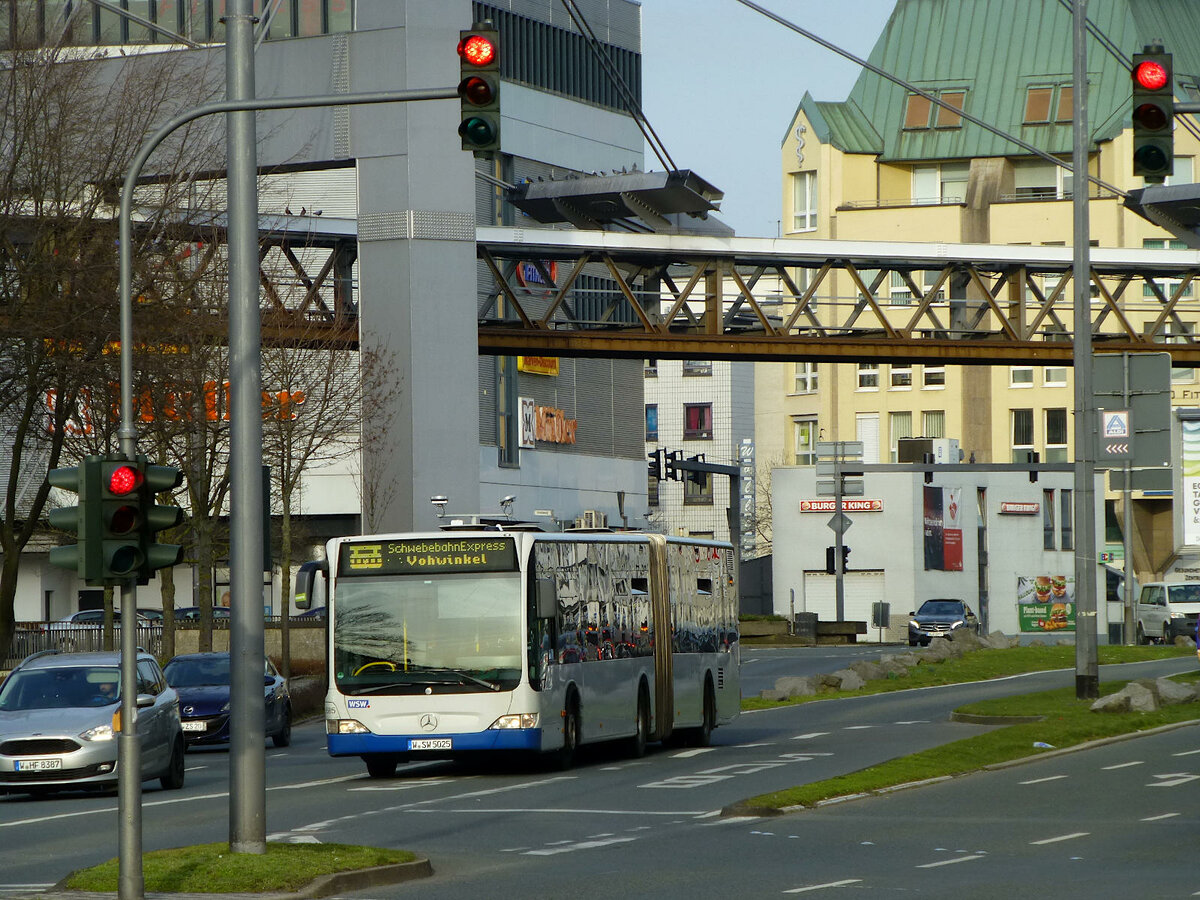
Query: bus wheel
(702, 736)
(637, 743)
(566, 755)
(380, 765)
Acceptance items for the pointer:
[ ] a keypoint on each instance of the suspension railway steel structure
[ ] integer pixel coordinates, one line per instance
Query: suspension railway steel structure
(613, 294)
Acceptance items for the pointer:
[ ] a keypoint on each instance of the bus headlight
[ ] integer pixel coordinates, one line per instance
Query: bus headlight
(521, 720)
(345, 726)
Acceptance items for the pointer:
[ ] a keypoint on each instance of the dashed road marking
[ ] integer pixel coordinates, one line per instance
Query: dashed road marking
(1121, 766)
(1160, 818)
(1061, 837)
(951, 862)
(580, 845)
(1043, 780)
(820, 887)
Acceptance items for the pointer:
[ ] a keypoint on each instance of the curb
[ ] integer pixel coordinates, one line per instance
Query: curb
(322, 886)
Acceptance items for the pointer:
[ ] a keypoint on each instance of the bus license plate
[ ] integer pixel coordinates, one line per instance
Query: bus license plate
(36, 765)
(430, 744)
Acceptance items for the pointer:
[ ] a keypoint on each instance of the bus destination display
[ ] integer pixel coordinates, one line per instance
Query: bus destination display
(412, 557)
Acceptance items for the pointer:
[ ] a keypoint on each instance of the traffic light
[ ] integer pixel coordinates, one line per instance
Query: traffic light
(845, 558)
(1153, 114)
(656, 464)
(121, 519)
(155, 518)
(695, 476)
(672, 461)
(479, 88)
(831, 560)
(82, 558)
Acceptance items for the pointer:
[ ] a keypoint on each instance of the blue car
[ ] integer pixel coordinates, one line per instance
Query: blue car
(202, 681)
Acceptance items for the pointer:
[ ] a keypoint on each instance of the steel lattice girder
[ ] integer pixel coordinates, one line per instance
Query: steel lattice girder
(695, 297)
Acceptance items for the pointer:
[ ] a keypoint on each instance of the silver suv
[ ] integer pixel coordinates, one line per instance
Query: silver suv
(59, 718)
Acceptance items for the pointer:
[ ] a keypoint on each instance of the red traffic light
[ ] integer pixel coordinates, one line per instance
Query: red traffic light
(476, 90)
(124, 480)
(1151, 75)
(477, 50)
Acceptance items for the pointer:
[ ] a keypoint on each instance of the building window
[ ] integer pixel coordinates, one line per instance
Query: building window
(805, 378)
(508, 413)
(933, 377)
(1048, 520)
(899, 426)
(901, 377)
(652, 422)
(650, 369)
(868, 376)
(920, 112)
(1020, 376)
(1056, 435)
(1046, 103)
(651, 490)
(1067, 517)
(1054, 376)
(697, 421)
(933, 423)
(1022, 434)
(694, 367)
(944, 183)
(804, 201)
(698, 494)
(804, 440)
(1037, 179)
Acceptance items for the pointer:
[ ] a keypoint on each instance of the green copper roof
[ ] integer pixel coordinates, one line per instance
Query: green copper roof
(995, 50)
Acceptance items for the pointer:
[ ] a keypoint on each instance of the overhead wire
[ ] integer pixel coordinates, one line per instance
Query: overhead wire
(631, 103)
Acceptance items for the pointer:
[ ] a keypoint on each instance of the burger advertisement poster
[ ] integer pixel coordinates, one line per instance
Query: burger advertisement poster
(1046, 602)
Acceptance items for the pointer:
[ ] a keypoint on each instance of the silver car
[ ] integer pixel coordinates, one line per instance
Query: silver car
(59, 718)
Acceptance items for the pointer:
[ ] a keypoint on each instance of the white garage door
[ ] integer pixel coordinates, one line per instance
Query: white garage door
(859, 591)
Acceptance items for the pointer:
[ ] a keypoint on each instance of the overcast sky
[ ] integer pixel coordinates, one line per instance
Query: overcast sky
(720, 83)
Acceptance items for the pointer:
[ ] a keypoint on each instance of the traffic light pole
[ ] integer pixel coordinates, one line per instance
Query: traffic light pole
(248, 800)
(130, 882)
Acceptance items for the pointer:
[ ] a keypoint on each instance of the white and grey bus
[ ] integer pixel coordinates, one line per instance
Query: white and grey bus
(451, 644)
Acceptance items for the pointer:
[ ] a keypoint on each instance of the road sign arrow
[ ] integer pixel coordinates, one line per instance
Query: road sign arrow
(1173, 780)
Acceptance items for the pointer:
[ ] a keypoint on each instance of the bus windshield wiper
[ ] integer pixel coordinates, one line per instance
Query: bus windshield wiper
(467, 676)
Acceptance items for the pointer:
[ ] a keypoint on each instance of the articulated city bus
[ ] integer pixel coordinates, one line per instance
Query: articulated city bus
(458, 643)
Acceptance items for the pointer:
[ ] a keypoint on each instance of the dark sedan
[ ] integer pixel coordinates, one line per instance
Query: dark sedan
(938, 618)
(202, 681)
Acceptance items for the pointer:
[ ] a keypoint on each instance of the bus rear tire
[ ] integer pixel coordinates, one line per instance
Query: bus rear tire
(637, 743)
(702, 736)
(380, 765)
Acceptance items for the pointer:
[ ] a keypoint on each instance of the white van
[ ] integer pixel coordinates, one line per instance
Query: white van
(1165, 611)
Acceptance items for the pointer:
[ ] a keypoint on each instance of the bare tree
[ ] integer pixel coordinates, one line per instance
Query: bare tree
(69, 128)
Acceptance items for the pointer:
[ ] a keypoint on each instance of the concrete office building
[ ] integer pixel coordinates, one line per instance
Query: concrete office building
(398, 175)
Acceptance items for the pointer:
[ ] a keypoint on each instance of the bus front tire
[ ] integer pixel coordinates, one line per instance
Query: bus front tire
(565, 758)
(380, 765)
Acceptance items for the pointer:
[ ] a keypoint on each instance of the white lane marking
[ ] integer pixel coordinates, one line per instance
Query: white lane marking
(318, 783)
(951, 862)
(1160, 818)
(820, 887)
(1186, 753)
(685, 754)
(914, 722)
(734, 820)
(858, 727)
(1061, 837)
(581, 845)
(399, 786)
(1043, 780)
(810, 735)
(748, 746)
(1173, 780)
(1121, 766)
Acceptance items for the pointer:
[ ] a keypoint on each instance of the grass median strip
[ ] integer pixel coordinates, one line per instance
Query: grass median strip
(212, 869)
(1062, 721)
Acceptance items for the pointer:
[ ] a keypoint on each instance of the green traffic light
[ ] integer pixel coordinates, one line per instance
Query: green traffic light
(477, 131)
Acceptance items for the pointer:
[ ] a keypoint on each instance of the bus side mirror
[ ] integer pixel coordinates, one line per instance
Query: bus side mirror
(306, 583)
(545, 601)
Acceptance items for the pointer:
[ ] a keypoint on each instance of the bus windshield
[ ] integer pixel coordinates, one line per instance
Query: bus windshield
(403, 634)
